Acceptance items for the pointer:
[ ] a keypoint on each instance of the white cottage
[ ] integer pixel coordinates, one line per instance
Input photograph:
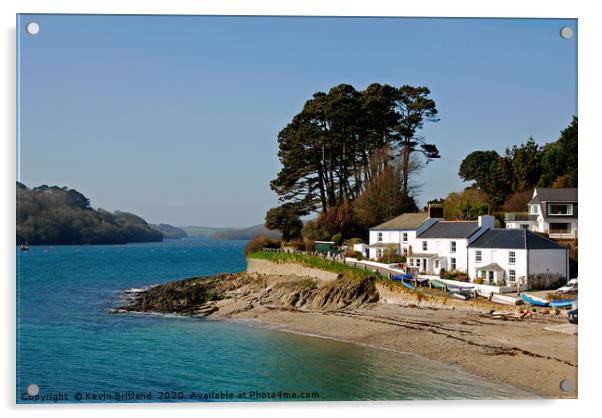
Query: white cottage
(444, 245)
(510, 256)
(400, 232)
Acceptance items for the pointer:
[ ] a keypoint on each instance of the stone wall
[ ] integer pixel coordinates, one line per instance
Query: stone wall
(270, 268)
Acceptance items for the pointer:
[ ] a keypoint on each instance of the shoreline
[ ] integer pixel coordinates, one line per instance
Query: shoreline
(520, 354)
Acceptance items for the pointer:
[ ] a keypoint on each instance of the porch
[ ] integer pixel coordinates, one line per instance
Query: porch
(425, 264)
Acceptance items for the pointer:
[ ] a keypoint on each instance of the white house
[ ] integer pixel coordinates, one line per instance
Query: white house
(400, 232)
(510, 256)
(550, 211)
(443, 246)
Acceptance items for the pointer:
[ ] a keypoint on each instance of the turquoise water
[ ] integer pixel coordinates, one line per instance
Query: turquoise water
(68, 342)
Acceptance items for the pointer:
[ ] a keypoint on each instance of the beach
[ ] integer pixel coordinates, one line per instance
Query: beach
(516, 352)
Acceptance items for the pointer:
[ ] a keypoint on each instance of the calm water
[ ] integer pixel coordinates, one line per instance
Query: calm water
(69, 343)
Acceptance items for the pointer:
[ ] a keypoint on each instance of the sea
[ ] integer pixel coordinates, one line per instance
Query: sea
(71, 348)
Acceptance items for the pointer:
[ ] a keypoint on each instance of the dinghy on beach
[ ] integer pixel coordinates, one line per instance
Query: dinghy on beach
(505, 300)
(561, 303)
(534, 300)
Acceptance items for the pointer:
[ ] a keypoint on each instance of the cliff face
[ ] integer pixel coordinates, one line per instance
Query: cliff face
(205, 295)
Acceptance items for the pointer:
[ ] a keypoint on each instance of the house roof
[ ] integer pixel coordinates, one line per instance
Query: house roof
(492, 266)
(451, 229)
(519, 239)
(554, 195)
(422, 255)
(404, 221)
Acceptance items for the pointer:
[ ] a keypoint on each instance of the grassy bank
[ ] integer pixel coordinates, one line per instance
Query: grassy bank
(316, 262)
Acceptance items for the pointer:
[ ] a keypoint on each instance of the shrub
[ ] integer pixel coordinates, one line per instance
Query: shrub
(297, 245)
(359, 256)
(310, 245)
(478, 280)
(354, 241)
(259, 243)
(337, 238)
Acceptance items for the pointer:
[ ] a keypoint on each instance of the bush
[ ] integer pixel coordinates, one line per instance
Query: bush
(354, 241)
(310, 245)
(337, 238)
(455, 275)
(259, 243)
(393, 258)
(478, 280)
(296, 244)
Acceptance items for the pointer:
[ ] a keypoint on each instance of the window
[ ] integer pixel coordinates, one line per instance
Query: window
(424, 245)
(560, 209)
(405, 237)
(560, 228)
(452, 264)
(533, 209)
(379, 253)
(411, 262)
(404, 251)
(379, 237)
(478, 257)
(452, 247)
(511, 257)
(512, 275)
(436, 264)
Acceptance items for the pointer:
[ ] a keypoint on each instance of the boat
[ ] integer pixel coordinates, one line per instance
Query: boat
(24, 247)
(409, 286)
(561, 303)
(458, 295)
(505, 300)
(534, 300)
(436, 284)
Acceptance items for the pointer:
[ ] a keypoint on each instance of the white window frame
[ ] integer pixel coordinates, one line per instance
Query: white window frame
(511, 257)
(534, 209)
(511, 275)
(478, 256)
(379, 237)
(452, 263)
(452, 246)
(404, 237)
(569, 212)
(425, 245)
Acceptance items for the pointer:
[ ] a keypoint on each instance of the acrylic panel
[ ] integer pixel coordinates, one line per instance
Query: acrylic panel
(266, 209)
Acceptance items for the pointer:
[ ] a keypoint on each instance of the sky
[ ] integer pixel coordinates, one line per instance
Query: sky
(175, 118)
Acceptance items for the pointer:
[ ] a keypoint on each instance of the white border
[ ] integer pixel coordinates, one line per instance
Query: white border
(589, 93)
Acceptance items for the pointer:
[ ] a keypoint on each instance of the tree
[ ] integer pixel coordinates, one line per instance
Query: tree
(325, 150)
(559, 161)
(477, 167)
(526, 168)
(414, 108)
(518, 202)
(466, 205)
(383, 197)
(286, 219)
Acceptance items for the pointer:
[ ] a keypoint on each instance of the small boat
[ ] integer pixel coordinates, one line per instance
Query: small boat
(561, 303)
(436, 284)
(505, 300)
(534, 300)
(24, 247)
(409, 286)
(461, 289)
(458, 295)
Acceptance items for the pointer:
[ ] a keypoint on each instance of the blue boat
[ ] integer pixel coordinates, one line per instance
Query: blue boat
(409, 286)
(534, 300)
(561, 303)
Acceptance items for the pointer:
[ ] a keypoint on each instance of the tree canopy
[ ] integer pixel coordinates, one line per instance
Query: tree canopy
(58, 215)
(327, 148)
(523, 167)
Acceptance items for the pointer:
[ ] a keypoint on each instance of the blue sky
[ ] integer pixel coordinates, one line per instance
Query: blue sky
(176, 118)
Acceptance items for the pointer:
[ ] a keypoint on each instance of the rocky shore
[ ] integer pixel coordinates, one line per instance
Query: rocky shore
(504, 348)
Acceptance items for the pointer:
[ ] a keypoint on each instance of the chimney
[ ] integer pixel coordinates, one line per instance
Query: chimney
(486, 222)
(435, 210)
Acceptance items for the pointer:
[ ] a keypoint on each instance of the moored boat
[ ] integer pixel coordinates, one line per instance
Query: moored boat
(505, 300)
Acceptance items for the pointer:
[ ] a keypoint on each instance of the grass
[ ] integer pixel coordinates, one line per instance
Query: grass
(316, 262)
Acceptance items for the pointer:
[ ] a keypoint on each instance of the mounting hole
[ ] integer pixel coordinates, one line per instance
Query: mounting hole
(33, 389)
(566, 385)
(566, 32)
(32, 28)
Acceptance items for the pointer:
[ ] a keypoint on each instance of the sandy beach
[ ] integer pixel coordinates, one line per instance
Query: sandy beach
(463, 334)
